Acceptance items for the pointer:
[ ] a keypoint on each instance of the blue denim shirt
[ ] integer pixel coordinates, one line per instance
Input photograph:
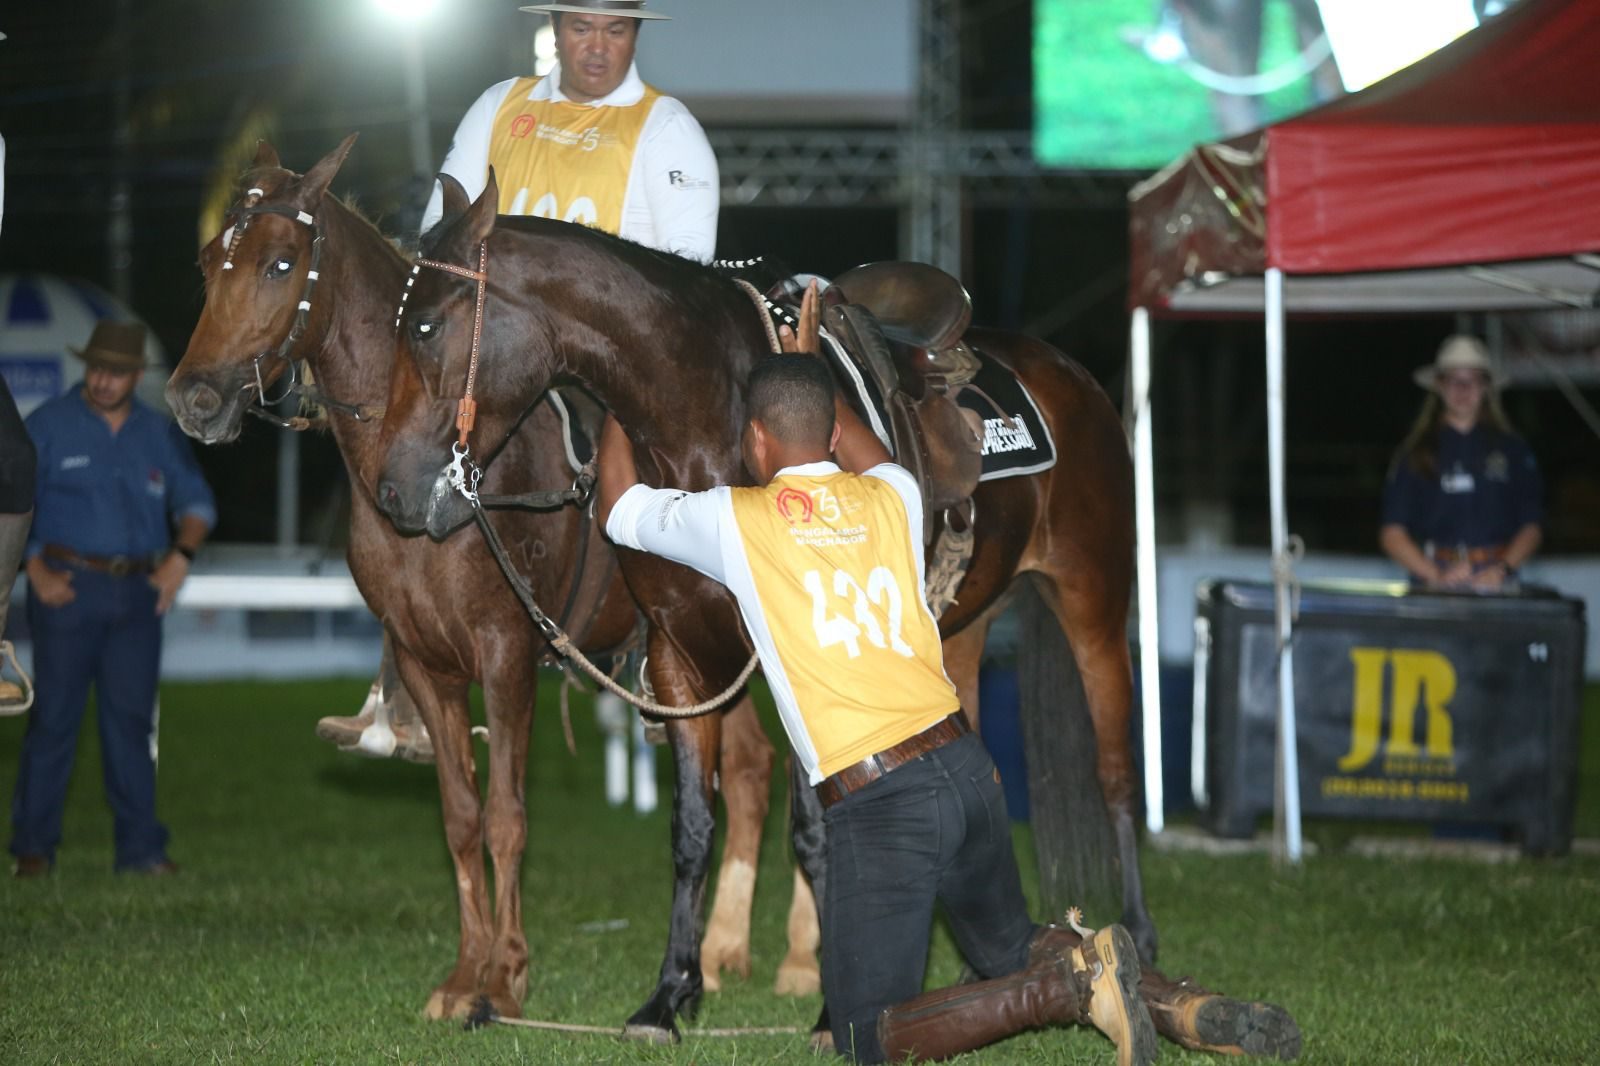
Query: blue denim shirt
(109, 494)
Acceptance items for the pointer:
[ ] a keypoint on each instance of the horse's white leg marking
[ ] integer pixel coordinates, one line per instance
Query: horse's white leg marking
(798, 974)
(727, 941)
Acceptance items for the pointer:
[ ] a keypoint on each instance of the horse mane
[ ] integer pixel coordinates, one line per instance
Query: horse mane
(258, 177)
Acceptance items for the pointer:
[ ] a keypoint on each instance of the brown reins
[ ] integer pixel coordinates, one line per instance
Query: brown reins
(463, 475)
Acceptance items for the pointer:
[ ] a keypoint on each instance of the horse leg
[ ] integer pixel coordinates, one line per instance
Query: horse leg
(509, 694)
(746, 777)
(798, 974)
(1099, 641)
(443, 703)
(963, 655)
(694, 754)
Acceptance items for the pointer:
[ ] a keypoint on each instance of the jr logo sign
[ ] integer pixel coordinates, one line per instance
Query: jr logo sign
(1422, 679)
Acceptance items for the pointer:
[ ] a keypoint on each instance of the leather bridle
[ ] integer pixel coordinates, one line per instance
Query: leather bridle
(241, 213)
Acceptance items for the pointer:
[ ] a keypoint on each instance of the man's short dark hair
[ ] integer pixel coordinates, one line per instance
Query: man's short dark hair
(792, 396)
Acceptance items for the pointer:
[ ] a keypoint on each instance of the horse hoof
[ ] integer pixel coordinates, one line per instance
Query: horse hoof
(795, 979)
(650, 1034)
(444, 1005)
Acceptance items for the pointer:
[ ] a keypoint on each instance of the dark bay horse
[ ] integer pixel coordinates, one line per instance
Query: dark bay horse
(666, 344)
(450, 613)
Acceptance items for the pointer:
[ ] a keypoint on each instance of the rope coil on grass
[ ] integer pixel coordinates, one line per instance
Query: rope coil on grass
(483, 1014)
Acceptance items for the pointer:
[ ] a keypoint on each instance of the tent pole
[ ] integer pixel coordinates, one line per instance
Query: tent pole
(1286, 805)
(1144, 518)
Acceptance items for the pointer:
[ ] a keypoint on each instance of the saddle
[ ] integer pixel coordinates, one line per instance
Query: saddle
(902, 323)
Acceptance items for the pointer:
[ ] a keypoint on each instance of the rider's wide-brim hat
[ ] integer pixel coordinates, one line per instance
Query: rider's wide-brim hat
(1459, 352)
(114, 345)
(633, 9)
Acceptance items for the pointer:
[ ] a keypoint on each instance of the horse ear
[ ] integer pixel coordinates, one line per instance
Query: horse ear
(456, 200)
(319, 177)
(266, 155)
(481, 215)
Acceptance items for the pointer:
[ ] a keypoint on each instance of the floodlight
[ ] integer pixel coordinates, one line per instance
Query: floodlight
(407, 10)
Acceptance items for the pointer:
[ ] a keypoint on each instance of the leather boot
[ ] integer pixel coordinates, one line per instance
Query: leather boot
(1202, 1020)
(388, 724)
(1192, 1016)
(15, 696)
(1095, 984)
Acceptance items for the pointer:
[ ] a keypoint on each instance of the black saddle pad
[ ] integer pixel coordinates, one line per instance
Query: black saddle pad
(1016, 440)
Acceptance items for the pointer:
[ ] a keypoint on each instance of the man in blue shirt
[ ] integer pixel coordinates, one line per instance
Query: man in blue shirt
(103, 565)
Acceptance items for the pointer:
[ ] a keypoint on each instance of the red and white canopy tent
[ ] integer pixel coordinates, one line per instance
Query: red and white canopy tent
(1468, 181)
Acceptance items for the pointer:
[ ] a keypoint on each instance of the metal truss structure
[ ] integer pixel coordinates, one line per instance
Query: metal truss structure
(932, 171)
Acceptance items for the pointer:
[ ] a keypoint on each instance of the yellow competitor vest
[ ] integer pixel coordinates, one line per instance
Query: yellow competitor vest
(558, 159)
(833, 564)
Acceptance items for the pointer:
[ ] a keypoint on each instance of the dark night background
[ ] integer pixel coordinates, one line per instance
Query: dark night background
(201, 72)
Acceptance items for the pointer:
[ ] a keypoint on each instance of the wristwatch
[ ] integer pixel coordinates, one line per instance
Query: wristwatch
(187, 553)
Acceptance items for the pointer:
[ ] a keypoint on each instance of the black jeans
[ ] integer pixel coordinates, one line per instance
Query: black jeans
(933, 830)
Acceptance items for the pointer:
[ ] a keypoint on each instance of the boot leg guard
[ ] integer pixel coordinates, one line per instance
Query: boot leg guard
(948, 1021)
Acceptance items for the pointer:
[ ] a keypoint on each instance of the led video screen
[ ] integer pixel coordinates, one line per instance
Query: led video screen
(1132, 84)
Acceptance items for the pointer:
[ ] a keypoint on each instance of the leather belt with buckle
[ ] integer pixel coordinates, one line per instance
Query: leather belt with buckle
(831, 790)
(113, 565)
(1495, 553)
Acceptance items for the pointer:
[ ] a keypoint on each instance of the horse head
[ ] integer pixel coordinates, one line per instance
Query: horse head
(445, 338)
(257, 274)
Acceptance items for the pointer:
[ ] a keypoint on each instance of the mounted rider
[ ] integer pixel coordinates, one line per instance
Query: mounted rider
(589, 142)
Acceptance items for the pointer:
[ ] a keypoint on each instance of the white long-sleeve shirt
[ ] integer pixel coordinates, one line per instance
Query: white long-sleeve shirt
(673, 188)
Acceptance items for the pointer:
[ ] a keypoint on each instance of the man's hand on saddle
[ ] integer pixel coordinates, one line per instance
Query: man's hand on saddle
(808, 337)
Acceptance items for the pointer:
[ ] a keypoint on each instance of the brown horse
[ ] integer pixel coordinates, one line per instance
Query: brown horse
(448, 610)
(666, 344)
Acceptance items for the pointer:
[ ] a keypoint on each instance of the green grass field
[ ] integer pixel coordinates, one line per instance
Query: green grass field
(316, 910)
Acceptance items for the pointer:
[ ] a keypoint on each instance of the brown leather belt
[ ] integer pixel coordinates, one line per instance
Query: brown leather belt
(1474, 556)
(831, 790)
(114, 565)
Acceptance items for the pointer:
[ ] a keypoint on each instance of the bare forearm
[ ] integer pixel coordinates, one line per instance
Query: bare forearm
(859, 449)
(1399, 546)
(192, 531)
(1523, 546)
(617, 472)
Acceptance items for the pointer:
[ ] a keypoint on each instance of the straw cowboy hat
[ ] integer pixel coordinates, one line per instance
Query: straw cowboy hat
(1458, 352)
(115, 346)
(631, 9)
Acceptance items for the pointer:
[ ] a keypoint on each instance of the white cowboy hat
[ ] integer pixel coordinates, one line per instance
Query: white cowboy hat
(632, 9)
(1458, 352)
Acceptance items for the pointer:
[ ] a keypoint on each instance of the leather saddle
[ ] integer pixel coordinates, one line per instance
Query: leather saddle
(902, 323)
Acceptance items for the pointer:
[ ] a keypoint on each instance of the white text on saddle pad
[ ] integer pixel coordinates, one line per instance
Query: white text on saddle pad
(1006, 435)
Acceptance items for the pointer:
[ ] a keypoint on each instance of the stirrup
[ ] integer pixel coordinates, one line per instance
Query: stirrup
(24, 683)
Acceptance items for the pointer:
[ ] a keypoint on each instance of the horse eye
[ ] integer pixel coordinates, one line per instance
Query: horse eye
(280, 268)
(422, 328)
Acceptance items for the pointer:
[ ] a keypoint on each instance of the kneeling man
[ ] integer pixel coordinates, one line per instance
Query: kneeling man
(826, 563)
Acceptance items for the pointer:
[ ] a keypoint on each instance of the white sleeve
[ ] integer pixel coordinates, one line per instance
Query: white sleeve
(681, 184)
(905, 485)
(468, 158)
(685, 527)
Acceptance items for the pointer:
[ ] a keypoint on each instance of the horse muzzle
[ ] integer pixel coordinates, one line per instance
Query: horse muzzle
(438, 512)
(203, 412)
